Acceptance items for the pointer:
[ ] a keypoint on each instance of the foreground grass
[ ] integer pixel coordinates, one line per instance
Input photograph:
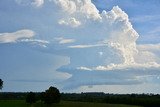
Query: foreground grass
(21, 103)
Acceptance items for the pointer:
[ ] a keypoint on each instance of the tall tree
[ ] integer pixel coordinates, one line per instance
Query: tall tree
(52, 95)
(1, 84)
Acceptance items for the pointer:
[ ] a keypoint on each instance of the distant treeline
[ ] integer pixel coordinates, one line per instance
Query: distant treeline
(146, 100)
(13, 95)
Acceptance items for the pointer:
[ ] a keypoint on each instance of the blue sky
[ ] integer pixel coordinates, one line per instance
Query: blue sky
(99, 45)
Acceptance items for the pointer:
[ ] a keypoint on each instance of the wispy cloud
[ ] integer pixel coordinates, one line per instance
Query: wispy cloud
(145, 18)
(35, 3)
(155, 31)
(151, 36)
(42, 43)
(14, 36)
(62, 40)
(86, 46)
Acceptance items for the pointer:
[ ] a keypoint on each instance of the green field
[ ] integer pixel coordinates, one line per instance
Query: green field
(21, 103)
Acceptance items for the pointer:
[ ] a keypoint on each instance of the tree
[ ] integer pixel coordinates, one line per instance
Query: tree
(52, 95)
(31, 98)
(1, 84)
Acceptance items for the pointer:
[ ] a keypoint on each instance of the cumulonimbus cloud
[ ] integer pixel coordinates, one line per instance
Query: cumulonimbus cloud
(111, 34)
(102, 45)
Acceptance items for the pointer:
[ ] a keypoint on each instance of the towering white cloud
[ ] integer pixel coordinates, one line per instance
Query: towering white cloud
(82, 7)
(77, 11)
(111, 29)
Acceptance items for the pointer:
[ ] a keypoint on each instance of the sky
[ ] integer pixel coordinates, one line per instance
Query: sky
(110, 46)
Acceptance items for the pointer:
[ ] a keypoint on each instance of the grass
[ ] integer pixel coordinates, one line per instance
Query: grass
(21, 103)
(13, 103)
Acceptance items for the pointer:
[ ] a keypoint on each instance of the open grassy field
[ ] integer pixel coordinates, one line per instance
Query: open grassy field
(21, 103)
